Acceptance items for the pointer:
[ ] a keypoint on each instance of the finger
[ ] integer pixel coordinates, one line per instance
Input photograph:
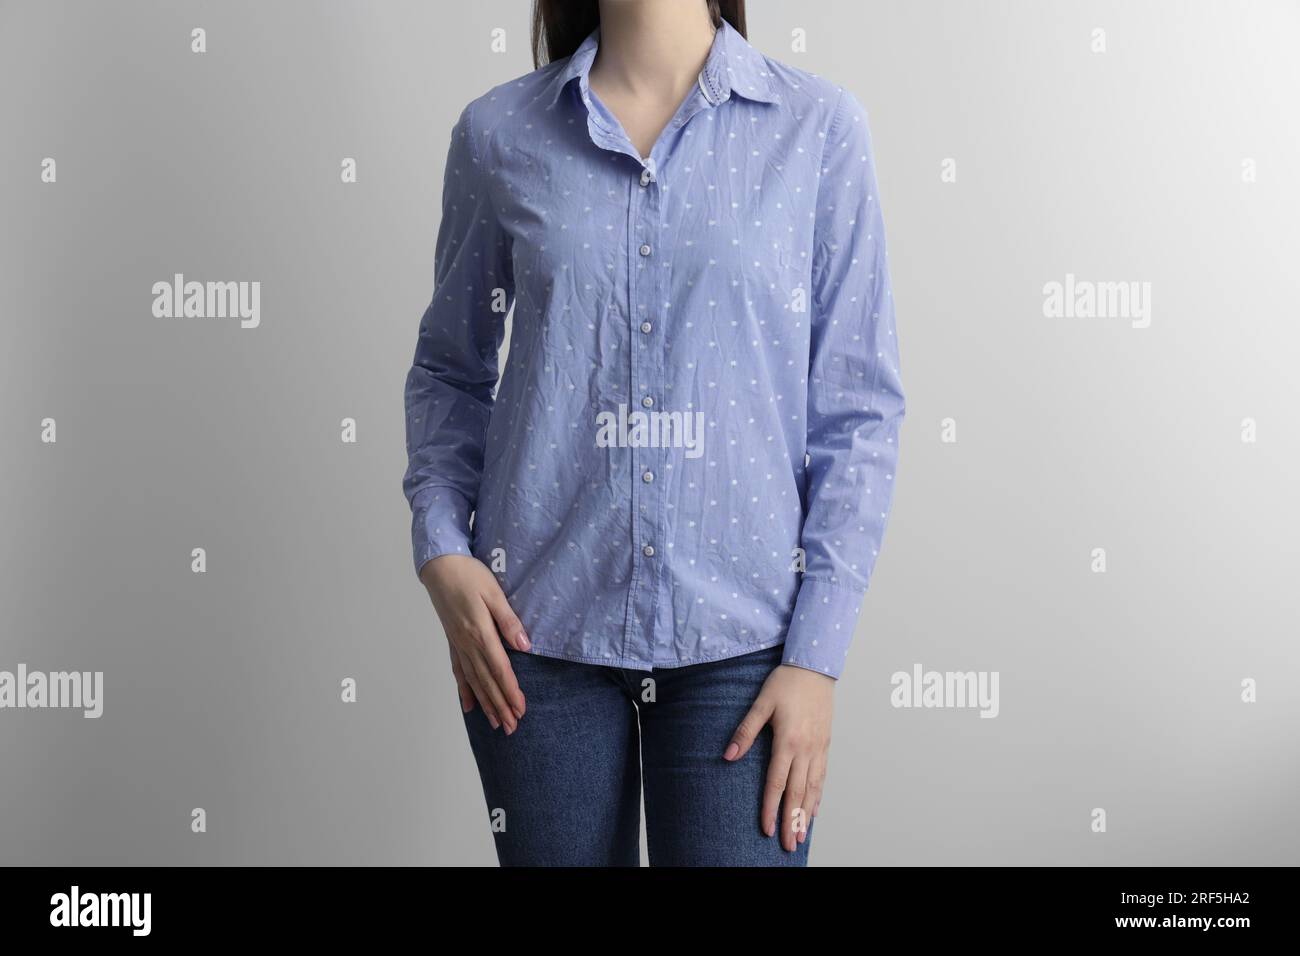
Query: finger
(499, 672)
(483, 671)
(747, 732)
(504, 677)
(483, 697)
(462, 685)
(778, 771)
(816, 783)
(794, 816)
(507, 622)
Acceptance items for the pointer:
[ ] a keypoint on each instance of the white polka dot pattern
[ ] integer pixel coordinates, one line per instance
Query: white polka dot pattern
(689, 452)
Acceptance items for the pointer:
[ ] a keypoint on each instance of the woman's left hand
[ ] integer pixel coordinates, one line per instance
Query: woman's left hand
(798, 703)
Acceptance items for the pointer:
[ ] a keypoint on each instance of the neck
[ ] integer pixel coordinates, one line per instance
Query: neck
(653, 49)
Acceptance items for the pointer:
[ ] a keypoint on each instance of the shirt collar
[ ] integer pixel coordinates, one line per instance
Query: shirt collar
(733, 66)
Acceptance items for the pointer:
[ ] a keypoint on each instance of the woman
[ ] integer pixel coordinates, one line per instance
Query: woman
(680, 486)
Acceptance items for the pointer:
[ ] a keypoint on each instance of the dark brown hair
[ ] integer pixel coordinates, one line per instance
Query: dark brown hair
(560, 26)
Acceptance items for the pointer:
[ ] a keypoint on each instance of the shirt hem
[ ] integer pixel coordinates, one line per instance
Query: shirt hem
(642, 665)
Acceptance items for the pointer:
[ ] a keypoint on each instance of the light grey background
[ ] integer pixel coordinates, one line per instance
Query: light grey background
(1118, 690)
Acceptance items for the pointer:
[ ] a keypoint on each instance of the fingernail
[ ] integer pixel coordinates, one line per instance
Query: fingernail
(523, 639)
(732, 751)
(494, 722)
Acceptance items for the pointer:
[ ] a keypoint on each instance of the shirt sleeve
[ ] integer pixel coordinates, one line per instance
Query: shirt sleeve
(452, 381)
(855, 399)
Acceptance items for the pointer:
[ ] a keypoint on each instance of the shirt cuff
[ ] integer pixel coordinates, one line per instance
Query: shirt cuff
(439, 525)
(821, 627)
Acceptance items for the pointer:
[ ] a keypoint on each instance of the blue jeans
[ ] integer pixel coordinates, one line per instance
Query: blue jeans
(565, 788)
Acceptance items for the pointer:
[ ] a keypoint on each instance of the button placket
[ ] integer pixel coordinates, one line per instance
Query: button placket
(649, 285)
(646, 381)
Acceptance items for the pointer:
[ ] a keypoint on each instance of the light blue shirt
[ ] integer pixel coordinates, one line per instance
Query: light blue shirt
(689, 453)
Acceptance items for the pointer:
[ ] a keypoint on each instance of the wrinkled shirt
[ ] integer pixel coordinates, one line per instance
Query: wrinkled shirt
(689, 452)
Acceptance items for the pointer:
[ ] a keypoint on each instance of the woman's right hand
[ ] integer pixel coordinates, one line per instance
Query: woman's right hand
(477, 618)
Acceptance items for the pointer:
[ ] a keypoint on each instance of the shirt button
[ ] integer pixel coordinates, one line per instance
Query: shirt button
(648, 477)
(645, 249)
(648, 551)
(646, 326)
(647, 401)
(646, 177)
